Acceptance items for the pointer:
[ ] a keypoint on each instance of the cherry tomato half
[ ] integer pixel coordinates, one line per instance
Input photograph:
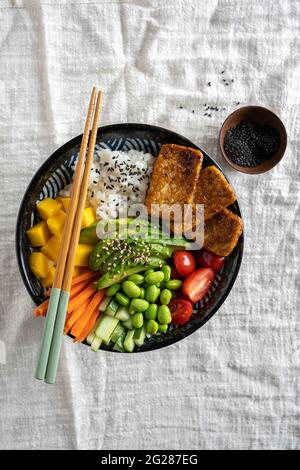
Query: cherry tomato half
(197, 284)
(184, 262)
(206, 259)
(181, 311)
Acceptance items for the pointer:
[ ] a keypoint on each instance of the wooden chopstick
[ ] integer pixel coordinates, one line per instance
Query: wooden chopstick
(64, 247)
(67, 280)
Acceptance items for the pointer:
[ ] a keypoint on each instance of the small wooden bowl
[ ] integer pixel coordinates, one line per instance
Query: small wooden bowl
(261, 116)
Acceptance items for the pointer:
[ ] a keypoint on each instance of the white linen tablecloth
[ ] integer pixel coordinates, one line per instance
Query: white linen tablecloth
(234, 384)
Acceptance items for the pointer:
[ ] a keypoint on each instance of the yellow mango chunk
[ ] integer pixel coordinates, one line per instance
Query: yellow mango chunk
(38, 234)
(83, 252)
(51, 248)
(48, 280)
(76, 271)
(56, 223)
(88, 217)
(39, 264)
(59, 199)
(65, 202)
(48, 208)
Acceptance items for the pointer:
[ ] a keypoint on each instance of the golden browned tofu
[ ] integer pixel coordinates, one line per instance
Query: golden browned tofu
(221, 232)
(214, 191)
(174, 176)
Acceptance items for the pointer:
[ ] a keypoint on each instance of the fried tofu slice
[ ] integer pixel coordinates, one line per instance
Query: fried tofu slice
(214, 191)
(174, 176)
(222, 232)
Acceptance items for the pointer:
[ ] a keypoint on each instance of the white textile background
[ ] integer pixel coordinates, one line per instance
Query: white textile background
(235, 383)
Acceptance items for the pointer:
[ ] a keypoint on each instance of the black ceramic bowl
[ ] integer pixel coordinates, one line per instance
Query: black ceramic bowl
(56, 172)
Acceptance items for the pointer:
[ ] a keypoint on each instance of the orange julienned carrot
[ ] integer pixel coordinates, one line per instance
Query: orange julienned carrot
(88, 326)
(78, 288)
(41, 310)
(75, 315)
(84, 277)
(80, 324)
(77, 300)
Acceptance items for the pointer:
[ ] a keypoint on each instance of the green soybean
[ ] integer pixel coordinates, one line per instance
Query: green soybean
(164, 314)
(138, 279)
(122, 299)
(152, 293)
(174, 284)
(139, 305)
(142, 293)
(112, 290)
(152, 327)
(149, 271)
(137, 320)
(163, 328)
(165, 296)
(154, 278)
(131, 289)
(167, 272)
(151, 312)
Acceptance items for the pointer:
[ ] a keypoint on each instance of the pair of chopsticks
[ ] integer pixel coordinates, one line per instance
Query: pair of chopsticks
(58, 304)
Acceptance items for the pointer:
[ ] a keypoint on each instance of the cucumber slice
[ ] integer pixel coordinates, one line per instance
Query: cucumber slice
(90, 338)
(96, 343)
(104, 304)
(123, 314)
(128, 324)
(139, 336)
(119, 345)
(128, 341)
(112, 308)
(106, 327)
(118, 331)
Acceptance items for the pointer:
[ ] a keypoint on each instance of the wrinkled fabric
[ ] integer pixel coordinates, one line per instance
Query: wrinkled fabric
(234, 384)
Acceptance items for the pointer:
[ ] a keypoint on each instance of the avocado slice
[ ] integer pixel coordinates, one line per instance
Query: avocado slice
(108, 279)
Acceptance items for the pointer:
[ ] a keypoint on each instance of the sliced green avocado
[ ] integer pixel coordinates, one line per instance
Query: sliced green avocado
(108, 279)
(88, 235)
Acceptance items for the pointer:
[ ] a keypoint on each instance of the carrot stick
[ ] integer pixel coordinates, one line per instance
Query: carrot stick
(77, 300)
(84, 277)
(73, 316)
(78, 288)
(84, 319)
(88, 326)
(41, 310)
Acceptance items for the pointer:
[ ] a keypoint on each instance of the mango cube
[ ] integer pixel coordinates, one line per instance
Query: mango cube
(65, 202)
(48, 208)
(38, 234)
(76, 271)
(39, 264)
(51, 249)
(83, 252)
(56, 223)
(88, 217)
(48, 280)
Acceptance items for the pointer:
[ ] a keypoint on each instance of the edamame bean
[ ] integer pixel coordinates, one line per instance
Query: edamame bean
(154, 278)
(143, 293)
(152, 327)
(163, 328)
(174, 284)
(122, 299)
(138, 279)
(139, 305)
(151, 312)
(152, 293)
(164, 314)
(149, 271)
(167, 272)
(137, 320)
(112, 290)
(165, 297)
(131, 289)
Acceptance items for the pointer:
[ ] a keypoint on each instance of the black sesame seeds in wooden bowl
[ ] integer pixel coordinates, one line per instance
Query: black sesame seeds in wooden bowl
(253, 139)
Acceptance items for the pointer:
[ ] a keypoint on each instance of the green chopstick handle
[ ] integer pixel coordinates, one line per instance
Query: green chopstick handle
(47, 335)
(54, 353)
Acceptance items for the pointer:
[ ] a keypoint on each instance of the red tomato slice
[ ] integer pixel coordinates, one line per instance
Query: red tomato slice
(181, 311)
(184, 262)
(206, 259)
(198, 283)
